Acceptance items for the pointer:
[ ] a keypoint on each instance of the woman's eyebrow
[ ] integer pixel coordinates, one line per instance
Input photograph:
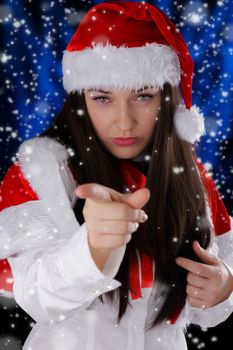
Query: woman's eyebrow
(103, 91)
(109, 92)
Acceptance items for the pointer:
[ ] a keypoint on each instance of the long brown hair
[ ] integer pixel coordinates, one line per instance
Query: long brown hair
(176, 208)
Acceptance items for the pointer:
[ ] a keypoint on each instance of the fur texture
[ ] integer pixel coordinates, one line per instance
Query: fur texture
(189, 124)
(43, 162)
(120, 67)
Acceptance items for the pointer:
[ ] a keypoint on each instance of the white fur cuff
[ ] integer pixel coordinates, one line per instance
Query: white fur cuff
(189, 124)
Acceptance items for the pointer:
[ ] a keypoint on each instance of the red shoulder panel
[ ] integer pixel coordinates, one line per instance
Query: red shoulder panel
(14, 190)
(220, 217)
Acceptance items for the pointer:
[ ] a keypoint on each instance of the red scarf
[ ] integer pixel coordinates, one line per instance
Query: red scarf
(134, 179)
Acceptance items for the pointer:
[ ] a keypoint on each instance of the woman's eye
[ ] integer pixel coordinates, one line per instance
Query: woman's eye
(101, 99)
(145, 96)
(104, 99)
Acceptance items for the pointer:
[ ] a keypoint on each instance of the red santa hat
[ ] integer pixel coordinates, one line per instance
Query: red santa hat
(129, 45)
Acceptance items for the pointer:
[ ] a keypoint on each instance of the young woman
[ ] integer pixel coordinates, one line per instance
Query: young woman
(115, 234)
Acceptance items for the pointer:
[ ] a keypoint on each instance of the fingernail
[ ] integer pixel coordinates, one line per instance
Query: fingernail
(143, 216)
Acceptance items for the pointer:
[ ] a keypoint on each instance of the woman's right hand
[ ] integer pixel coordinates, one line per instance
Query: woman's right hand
(110, 216)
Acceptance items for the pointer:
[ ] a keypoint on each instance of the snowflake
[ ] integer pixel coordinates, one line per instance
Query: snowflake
(80, 112)
(178, 170)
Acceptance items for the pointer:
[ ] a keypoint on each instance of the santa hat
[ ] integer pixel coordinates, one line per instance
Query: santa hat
(129, 45)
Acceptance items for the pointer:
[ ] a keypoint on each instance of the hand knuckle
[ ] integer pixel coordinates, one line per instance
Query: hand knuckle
(119, 242)
(133, 226)
(105, 229)
(189, 277)
(122, 227)
(128, 227)
(107, 243)
(90, 226)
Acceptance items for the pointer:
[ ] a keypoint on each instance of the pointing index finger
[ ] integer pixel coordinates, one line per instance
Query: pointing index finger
(193, 266)
(93, 191)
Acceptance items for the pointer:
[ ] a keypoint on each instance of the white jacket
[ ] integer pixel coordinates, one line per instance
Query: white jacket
(57, 282)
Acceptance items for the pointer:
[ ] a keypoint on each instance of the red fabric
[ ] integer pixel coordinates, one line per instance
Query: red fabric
(134, 179)
(6, 278)
(176, 315)
(219, 214)
(147, 271)
(14, 190)
(152, 26)
(134, 280)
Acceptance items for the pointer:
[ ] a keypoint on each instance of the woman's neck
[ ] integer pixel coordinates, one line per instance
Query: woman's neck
(142, 160)
(145, 155)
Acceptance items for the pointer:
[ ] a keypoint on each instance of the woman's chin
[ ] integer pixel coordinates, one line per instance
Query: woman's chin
(125, 153)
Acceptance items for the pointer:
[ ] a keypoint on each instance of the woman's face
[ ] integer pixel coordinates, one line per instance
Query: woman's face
(129, 114)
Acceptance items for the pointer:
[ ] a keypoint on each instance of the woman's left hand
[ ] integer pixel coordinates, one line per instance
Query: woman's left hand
(208, 282)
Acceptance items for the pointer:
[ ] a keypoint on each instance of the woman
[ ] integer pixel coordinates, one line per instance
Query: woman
(115, 234)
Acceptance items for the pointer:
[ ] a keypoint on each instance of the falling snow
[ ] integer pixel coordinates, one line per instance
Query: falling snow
(178, 170)
(31, 95)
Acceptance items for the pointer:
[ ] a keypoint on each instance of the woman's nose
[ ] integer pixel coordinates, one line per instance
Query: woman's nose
(125, 118)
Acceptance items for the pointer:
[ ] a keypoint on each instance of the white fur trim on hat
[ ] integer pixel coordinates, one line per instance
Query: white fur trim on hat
(189, 124)
(120, 67)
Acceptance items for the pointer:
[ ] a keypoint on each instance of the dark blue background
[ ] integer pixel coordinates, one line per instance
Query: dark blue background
(33, 36)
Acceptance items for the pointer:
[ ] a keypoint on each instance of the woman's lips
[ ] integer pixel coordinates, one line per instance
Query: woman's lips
(121, 141)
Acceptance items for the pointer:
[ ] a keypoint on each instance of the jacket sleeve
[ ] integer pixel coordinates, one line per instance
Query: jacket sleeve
(14, 190)
(54, 275)
(222, 246)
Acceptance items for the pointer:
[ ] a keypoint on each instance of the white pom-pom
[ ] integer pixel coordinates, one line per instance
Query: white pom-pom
(189, 123)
